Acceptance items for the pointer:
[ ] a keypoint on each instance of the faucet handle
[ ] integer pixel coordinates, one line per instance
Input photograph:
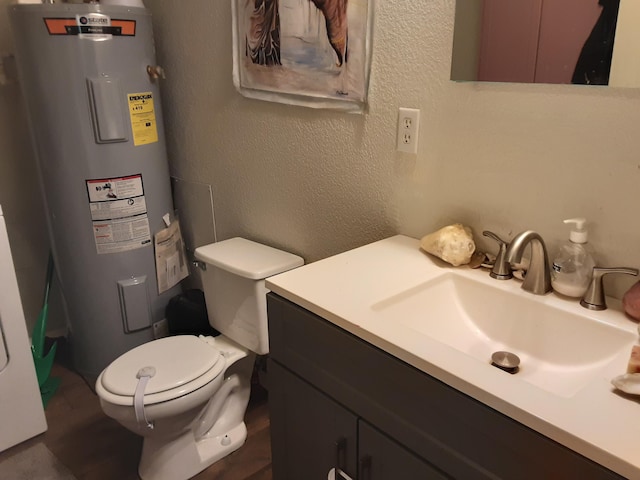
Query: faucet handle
(501, 268)
(593, 298)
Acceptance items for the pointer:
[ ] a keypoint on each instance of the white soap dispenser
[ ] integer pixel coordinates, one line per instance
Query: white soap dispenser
(573, 265)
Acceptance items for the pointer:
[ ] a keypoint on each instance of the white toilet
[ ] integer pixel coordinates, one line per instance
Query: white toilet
(187, 395)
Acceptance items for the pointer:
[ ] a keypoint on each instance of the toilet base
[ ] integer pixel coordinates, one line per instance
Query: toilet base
(184, 457)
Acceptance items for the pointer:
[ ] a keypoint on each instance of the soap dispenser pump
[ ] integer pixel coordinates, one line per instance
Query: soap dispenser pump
(573, 265)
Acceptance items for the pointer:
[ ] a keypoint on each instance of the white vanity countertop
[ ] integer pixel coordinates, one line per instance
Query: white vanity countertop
(596, 421)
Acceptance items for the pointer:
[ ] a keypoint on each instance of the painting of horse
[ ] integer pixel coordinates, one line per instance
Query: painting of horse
(306, 52)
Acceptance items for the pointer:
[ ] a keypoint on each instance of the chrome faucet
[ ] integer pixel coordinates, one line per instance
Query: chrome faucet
(593, 298)
(538, 277)
(501, 269)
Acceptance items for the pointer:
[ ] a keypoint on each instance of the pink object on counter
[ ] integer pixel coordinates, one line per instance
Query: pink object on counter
(631, 301)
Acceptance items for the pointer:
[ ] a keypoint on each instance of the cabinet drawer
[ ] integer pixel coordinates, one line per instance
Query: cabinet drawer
(459, 435)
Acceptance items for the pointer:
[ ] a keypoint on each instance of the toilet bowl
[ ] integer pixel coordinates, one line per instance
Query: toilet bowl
(187, 395)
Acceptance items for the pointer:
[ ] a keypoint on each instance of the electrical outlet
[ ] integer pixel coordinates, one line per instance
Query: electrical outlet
(408, 127)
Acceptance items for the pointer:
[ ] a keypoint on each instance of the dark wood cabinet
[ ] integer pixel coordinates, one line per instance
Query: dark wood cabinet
(338, 400)
(314, 433)
(314, 436)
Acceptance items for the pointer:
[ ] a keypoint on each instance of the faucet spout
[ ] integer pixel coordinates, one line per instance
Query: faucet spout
(538, 277)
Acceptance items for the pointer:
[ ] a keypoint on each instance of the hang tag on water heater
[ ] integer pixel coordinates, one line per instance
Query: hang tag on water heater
(171, 258)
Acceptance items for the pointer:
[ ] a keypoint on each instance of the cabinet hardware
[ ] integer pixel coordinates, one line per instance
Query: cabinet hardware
(365, 468)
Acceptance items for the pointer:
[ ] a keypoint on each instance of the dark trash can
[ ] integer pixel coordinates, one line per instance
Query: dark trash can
(186, 314)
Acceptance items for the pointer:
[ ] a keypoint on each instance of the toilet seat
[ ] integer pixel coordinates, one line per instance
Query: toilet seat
(182, 365)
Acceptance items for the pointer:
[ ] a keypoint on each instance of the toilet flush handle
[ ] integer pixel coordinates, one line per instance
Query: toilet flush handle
(201, 265)
(143, 376)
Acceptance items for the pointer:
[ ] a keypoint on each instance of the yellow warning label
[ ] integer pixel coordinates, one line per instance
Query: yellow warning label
(143, 118)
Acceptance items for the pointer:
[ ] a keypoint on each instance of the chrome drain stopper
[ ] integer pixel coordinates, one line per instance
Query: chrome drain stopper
(507, 361)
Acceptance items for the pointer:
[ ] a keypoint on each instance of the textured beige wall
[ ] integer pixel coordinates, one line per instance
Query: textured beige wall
(313, 182)
(494, 156)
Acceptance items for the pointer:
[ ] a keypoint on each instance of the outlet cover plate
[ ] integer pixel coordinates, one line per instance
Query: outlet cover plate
(408, 128)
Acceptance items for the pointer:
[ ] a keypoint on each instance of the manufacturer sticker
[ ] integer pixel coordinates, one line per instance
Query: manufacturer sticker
(95, 26)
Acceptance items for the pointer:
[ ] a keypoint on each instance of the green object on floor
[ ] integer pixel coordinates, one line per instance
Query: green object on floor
(44, 363)
(48, 389)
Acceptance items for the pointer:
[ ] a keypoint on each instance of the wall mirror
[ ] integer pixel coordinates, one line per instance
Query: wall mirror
(587, 42)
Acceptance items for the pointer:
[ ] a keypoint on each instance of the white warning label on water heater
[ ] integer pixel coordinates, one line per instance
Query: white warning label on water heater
(119, 214)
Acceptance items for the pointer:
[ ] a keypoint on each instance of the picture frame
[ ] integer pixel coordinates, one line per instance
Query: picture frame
(313, 53)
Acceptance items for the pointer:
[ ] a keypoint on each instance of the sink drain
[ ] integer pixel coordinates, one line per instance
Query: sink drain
(507, 361)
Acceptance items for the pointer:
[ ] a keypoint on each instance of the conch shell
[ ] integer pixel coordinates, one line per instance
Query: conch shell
(454, 244)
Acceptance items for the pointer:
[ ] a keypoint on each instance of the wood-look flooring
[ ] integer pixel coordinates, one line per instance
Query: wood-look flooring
(95, 447)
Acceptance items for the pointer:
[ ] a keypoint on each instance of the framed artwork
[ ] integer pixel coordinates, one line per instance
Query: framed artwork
(315, 53)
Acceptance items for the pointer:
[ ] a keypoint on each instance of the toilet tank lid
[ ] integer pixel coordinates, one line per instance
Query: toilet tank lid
(247, 259)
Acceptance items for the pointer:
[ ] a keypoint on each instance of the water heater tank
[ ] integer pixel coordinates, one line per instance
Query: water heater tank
(91, 90)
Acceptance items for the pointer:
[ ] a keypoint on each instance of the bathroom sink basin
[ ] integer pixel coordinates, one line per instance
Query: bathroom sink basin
(560, 351)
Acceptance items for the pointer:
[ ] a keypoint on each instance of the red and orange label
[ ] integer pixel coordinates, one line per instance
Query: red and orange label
(69, 26)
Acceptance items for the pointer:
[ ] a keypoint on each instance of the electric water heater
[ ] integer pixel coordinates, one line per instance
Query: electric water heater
(90, 82)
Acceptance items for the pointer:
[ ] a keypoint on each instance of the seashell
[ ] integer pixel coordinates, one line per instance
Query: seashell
(634, 360)
(454, 244)
(628, 383)
(478, 259)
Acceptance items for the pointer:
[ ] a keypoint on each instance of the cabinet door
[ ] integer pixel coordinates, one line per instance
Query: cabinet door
(381, 458)
(310, 433)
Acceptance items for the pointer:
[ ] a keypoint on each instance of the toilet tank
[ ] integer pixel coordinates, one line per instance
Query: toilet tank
(234, 288)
